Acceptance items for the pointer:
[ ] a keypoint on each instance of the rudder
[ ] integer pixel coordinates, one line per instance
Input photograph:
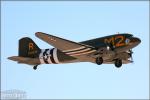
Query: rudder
(27, 48)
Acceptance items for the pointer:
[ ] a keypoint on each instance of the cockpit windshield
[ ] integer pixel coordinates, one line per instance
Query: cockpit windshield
(128, 35)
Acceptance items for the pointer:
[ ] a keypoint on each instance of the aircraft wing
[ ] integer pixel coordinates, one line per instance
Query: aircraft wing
(69, 47)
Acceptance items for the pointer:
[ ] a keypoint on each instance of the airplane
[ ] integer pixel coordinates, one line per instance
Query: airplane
(113, 49)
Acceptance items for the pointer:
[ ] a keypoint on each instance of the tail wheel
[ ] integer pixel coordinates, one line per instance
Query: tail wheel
(99, 60)
(118, 63)
(35, 67)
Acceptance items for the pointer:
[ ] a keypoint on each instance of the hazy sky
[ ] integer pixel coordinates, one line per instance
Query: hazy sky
(76, 21)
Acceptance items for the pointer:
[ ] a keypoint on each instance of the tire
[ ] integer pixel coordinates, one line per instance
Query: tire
(99, 60)
(118, 63)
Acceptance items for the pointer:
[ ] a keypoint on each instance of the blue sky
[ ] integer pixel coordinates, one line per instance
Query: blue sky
(76, 21)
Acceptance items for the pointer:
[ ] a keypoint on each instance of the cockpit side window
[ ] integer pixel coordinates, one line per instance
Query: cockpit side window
(127, 40)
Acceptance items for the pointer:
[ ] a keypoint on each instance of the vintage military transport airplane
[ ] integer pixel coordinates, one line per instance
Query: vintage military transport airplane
(109, 49)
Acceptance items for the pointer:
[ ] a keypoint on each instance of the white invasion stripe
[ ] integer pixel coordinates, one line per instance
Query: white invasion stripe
(41, 57)
(79, 51)
(55, 55)
(42, 61)
(74, 49)
(83, 53)
(49, 60)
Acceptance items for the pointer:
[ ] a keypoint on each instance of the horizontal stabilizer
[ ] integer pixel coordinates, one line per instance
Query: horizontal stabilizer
(26, 60)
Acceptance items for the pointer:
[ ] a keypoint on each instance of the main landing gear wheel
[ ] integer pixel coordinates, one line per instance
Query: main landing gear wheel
(35, 67)
(99, 60)
(118, 63)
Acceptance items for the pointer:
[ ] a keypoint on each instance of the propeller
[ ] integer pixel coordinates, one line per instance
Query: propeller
(130, 54)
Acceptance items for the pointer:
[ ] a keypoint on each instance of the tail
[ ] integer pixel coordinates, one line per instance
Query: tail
(27, 48)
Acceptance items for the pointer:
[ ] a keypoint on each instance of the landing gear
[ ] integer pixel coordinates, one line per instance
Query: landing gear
(35, 67)
(99, 60)
(118, 63)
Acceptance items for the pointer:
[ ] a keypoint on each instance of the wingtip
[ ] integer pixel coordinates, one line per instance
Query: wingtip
(41, 34)
(38, 33)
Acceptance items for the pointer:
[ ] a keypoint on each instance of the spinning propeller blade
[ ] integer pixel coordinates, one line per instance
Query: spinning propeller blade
(130, 53)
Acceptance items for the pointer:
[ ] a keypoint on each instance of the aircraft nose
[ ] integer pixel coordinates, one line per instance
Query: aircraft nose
(135, 40)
